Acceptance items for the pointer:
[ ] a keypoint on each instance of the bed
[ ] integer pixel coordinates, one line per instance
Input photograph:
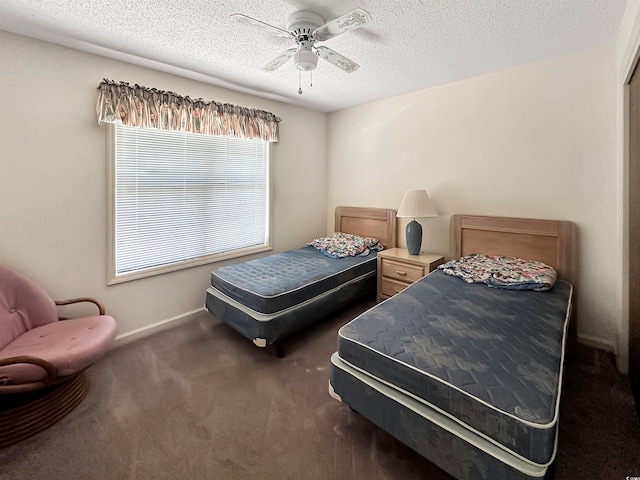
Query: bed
(269, 298)
(467, 375)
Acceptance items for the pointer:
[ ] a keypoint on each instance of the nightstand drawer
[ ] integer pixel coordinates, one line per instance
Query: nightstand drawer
(401, 271)
(397, 270)
(391, 287)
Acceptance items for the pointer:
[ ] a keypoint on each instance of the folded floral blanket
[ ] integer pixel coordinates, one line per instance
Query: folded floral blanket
(340, 245)
(502, 272)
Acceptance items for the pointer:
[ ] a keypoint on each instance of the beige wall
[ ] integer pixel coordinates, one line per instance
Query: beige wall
(534, 141)
(537, 141)
(53, 165)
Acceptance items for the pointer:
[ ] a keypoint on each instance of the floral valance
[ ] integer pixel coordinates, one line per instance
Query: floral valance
(151, 108)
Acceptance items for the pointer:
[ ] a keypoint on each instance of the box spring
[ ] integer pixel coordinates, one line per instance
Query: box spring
(265, 329)
(458, 451)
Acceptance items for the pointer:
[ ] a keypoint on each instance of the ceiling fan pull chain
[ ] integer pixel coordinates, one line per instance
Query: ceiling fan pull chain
(311, 76)
(300, 82)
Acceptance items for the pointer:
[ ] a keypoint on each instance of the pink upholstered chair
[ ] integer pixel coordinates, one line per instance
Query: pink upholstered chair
(42, 356)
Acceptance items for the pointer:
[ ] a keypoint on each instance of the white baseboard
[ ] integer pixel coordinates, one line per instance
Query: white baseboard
(596, 342)
(622, 363)
(142, 332)
(622, 356)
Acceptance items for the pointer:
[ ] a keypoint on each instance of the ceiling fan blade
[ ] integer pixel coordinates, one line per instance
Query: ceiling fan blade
(280, 60)
(349, 21)
(338, 60)
(278, 32)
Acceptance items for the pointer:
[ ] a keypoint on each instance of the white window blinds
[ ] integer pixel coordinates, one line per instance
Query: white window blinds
(180, 196)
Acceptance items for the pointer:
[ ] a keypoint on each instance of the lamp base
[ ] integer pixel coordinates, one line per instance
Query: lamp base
(414, 237)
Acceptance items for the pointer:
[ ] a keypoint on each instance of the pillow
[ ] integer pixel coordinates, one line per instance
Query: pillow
(340, 245)
(502, 272)
(474, 268)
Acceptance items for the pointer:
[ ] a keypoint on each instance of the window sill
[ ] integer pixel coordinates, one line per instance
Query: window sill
(173, 267)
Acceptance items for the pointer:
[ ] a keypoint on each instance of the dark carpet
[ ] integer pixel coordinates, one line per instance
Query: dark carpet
(200, 401)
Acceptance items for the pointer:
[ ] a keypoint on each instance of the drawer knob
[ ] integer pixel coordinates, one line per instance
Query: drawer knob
(401, 273)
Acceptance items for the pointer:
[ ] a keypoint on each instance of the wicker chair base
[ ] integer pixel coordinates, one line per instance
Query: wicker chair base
(25, 414)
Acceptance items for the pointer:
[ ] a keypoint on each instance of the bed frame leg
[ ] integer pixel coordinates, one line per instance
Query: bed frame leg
(277, 348)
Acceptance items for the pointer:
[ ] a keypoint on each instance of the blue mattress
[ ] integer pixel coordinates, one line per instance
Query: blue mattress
(489, 359)
(265, 329)
(280, 281)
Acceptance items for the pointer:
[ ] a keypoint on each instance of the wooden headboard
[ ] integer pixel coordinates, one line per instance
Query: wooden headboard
(368, 222)
(550, 241)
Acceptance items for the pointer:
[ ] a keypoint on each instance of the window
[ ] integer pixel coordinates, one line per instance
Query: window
(183, 199)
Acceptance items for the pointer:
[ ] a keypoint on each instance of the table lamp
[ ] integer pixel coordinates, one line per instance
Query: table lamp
(416, 204)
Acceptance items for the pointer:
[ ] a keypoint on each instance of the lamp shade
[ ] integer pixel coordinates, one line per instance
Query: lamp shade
(305, 60)
(416, 204)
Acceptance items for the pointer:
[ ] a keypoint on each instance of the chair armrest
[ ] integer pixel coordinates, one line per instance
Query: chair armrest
(49, 369)
(82, 299)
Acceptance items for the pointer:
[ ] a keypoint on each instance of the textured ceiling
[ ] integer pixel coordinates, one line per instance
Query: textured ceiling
(409, 44)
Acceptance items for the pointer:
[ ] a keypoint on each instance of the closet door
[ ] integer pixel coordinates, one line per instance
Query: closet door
(634, 235)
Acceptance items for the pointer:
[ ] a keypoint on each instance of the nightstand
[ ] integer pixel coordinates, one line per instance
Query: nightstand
(397, 270)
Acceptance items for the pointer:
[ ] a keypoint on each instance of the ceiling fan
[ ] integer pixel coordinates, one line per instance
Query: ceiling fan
(307, 28)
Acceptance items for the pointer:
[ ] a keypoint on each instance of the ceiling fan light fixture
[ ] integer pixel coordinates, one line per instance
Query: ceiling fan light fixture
(305, 60)
(305, 28)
